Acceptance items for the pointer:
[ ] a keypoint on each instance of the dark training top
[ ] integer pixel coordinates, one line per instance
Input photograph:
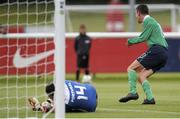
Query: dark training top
(82, 44)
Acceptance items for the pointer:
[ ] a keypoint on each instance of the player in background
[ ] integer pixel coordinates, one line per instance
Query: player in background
(151, 61)
(82, 48)
(78, 98)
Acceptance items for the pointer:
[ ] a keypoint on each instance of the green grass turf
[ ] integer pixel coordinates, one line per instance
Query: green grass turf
(110, 87)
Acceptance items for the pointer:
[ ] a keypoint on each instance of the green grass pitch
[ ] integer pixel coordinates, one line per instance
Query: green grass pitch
(166, 88)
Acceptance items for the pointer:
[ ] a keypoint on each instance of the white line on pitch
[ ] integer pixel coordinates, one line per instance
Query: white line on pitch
(130, 110)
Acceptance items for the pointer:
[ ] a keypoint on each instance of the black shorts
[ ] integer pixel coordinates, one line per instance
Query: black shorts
(83, 61)
(155, 58)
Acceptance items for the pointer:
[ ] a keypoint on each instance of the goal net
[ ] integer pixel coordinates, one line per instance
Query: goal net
(27, 62)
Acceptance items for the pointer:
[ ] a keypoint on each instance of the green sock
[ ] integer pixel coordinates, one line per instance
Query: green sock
(132, 80)
(147, 89)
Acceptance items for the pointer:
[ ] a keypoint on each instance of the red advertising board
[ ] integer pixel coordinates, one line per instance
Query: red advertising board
(34, 56)
(107, 55)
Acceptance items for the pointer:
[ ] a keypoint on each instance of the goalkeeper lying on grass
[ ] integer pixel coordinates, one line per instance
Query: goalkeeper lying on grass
(78, 98)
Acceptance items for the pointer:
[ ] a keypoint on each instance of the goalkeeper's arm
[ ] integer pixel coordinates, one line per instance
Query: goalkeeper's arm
(46, 105)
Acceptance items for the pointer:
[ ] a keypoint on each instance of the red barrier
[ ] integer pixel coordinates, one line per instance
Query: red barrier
(107, 55)
(27, 48)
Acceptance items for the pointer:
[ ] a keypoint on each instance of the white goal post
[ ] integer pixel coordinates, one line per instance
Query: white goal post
(59, 38)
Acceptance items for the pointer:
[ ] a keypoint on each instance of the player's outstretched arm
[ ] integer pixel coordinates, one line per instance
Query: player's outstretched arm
(143, 36)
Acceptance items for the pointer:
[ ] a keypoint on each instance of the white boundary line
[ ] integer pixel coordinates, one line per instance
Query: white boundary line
(144, 111)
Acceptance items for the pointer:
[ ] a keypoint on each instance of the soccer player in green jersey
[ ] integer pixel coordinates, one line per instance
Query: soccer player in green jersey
(149, 62)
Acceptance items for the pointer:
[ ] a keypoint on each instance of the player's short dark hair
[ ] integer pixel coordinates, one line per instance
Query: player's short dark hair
(82, 26)
(50, 88)
(143, 9)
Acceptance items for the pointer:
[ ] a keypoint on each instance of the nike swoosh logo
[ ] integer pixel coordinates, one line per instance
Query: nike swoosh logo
(22, 62)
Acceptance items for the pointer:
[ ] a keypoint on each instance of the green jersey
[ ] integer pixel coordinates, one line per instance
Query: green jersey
(152, 33)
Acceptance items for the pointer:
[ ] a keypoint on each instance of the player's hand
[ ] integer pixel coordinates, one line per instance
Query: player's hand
(127, 44)
(34, 103)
